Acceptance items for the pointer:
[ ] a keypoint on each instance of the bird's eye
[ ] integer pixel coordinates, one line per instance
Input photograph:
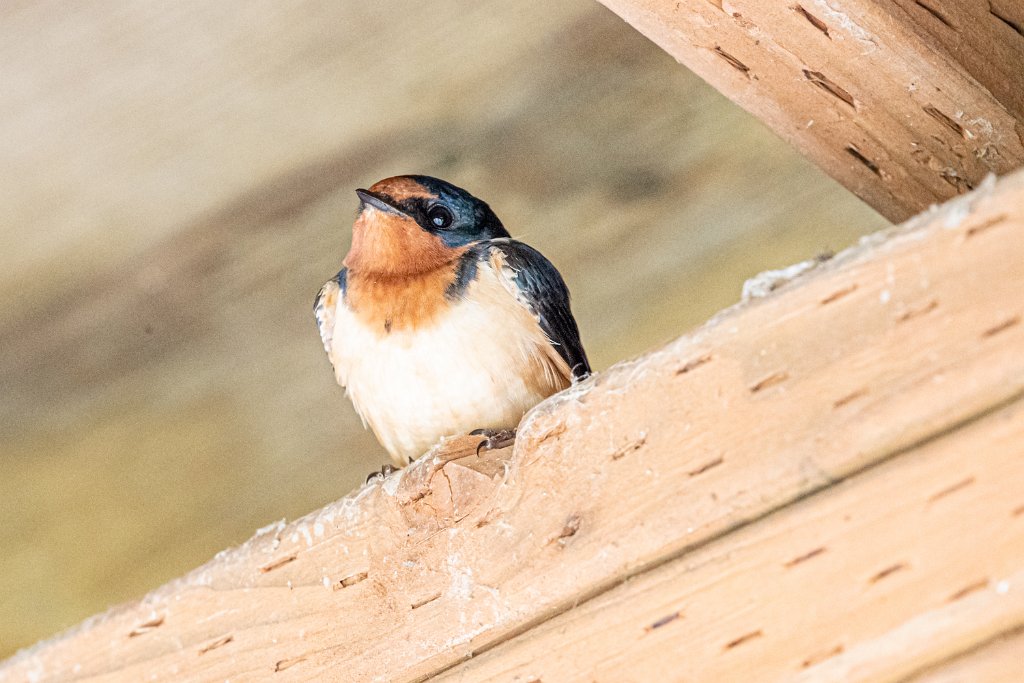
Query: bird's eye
(439, 216)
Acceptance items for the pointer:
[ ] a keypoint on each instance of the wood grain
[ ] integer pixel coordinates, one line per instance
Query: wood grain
(870, 580)
(406, 578)
(906, 103)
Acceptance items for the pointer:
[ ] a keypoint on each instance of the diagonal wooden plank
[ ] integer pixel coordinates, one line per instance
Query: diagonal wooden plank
(870, 580)
(914, 332)
(905, 103)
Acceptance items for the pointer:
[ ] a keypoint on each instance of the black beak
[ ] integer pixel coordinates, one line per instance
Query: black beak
(378, 202)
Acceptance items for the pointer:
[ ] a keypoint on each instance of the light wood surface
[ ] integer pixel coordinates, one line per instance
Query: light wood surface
(998, 661)
(178, 183)
(868, 378)
(905, 103)
(869, 581)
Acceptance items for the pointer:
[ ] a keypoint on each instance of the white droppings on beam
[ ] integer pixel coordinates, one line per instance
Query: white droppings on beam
(837, 18)
(957, 210)
(460, 585)
(272, 528)
(763, 284)
(390, 485)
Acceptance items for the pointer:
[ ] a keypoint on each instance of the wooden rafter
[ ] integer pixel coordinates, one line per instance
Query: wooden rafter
(906, 103)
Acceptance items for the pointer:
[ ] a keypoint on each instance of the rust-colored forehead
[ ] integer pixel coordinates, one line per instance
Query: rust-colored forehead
(401, 187)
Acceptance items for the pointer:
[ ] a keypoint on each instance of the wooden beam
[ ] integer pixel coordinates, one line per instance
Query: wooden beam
(898, 568)
(914, 334)
(905, 103)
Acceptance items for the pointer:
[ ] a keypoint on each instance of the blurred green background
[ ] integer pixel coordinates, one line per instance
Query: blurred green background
(178, 184)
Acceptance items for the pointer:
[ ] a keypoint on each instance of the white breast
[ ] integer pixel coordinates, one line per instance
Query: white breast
(481, 364)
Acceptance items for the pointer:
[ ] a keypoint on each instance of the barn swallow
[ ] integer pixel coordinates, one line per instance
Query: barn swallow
(440, 323)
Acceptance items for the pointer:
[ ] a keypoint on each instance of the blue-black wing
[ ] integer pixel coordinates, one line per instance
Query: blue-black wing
(542, 289)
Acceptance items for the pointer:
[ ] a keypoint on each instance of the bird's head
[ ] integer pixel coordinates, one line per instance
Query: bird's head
(412, 224)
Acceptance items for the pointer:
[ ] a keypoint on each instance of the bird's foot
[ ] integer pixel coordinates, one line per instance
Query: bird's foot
(496, 438)
(384, 471)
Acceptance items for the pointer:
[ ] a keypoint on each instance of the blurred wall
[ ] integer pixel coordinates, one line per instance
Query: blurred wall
(178, 184)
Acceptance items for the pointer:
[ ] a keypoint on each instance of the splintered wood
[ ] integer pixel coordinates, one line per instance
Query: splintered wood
(821, 484)
(905, 103)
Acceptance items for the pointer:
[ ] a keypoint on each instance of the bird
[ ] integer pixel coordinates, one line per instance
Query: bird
(440, 323)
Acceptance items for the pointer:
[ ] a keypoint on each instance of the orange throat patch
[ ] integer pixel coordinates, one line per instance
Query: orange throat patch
(388, 303)
(397, 272)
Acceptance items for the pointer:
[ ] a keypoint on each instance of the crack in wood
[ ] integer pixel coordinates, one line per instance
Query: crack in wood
(569, 529)
(694, 364)
(706, 466)
(278, 563)
(947, 121)
(425, 601)
(146, 627)
(743, 639)
(1001, 327)
(220, 642)
(953, 177)
(770, 381)
(968, 589)
(839, 294)
(814, 21)
(633, 445)
(733, 62)
(831, 87)
(985, 225)
(352, 580)
(935, 13)
(852, 396)
(888, 571)
(859, 156)
(803, 558)
(557, 430)
(912, 313)
(1018, 28)
(665, 620)
(964, 483)
(821, 657)
(283, 664)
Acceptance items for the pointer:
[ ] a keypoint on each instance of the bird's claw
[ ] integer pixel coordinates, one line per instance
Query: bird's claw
(384, 471)
(496, 439)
